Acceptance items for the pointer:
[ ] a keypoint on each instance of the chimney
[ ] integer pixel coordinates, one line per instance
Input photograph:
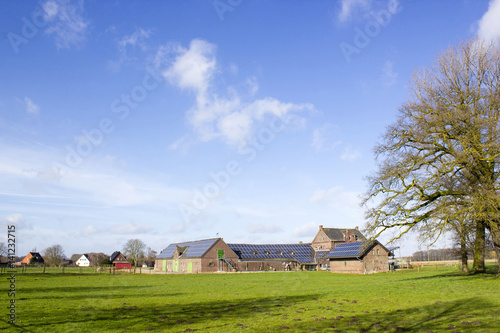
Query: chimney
(356, 227)
(320, 227)
(300, 242)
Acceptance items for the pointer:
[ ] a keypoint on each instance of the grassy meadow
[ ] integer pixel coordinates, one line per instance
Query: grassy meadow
(434, 299)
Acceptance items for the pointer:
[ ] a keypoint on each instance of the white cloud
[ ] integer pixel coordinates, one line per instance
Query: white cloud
(15, 219)
(129, 228)
(350, 155)
(364, 9)
(320, 140)
(389, 76)
(127, 45)
(489, 24)
(345, 204)
(213, 116)
(88, 231)
(307, 230)
(31, 107)
(137, 38)
(65, 22)
(349, 7)
(258, 228)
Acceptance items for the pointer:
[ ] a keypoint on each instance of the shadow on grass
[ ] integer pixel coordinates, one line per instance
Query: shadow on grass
(491, 272)
(165, 316)
(84, 292)
(467, 315)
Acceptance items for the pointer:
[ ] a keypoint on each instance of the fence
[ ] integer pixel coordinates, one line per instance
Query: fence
(74, 270)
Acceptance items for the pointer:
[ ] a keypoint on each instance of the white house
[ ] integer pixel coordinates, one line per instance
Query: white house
(84, 261)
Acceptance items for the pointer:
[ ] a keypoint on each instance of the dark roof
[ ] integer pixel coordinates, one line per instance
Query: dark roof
(36, 257)
(193, 249)
(114, 255)
(352, 250)
(303, 253)
(336, 234)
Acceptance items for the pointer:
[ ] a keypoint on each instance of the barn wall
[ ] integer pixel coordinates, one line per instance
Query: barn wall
(351, 266)
(376, 260)
(264, 266)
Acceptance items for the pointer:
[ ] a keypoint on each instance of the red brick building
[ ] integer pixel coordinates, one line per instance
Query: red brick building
(119, 260)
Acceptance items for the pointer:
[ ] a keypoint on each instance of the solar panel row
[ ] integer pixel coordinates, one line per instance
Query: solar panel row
(194, 249)
(302, 253)
(354, 249)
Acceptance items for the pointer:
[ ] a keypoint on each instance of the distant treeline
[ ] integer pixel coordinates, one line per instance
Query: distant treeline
(448, 254)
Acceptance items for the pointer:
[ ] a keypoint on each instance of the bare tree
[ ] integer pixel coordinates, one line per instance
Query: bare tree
(3, 250)
(150, 256)
(440, 161)
(54, 255)
(134, 250)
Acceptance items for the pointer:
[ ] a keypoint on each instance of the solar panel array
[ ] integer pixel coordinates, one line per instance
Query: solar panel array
(303, 253)
(320, 254)
(195, 249)
(354, 249)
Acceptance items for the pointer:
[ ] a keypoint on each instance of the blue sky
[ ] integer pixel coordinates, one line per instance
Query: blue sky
(181, 120)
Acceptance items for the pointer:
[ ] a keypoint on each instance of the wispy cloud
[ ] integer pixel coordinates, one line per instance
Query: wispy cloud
(31, 107)
(131, 228)
(258, 228)
(127, 46)
(350, 155)
(364, 9)
(306, 230)
(489, 24)
(349, 7)
(389, 76)
(321, 140)
(65, 22)
(213, 116)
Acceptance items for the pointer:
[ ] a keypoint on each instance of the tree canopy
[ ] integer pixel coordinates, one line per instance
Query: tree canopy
(134, 250)
(438, 164)
(53, 255)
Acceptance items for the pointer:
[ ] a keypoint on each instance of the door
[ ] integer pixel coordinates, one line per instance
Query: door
(176, 265)
(190, 267)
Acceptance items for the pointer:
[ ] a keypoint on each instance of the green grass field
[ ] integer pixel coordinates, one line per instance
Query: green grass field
(434, 299)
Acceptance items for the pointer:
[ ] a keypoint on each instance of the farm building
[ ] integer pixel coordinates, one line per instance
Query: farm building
(364, 257)
(34, 257)
(275, 257)
(215, 255)
(327, 238)
(83, 261)
(119, 260)
(202, 256)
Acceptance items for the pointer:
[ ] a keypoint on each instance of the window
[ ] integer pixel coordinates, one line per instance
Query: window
(345, 263)
(211, 264)
(267, 252)
(378, 251)
(255, 252)
(279, 252)
(291, 252)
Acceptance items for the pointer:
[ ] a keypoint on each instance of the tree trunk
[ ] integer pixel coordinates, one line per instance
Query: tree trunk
(494, 229)
(478, 266)
(463, 253)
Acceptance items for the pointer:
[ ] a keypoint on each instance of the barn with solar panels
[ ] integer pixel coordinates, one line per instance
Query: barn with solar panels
(202, 256)
(274, 257)
(359, 258)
